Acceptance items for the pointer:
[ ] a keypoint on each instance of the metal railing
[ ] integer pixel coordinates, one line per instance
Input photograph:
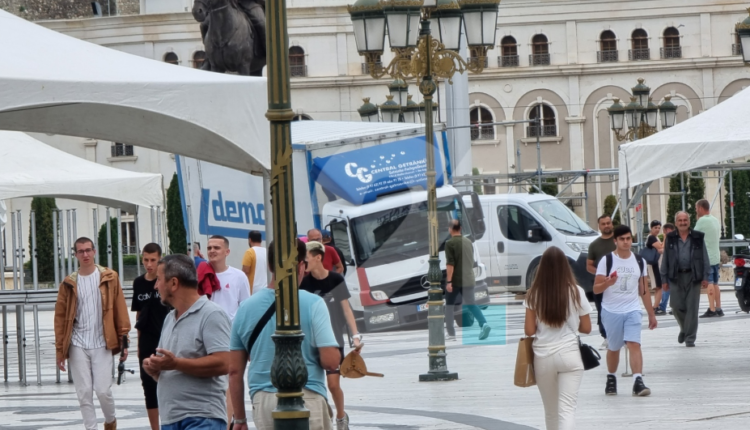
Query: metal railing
(483, 132)
(299, 71)
(366, 67)
(476, 60)
(607, 56)
(639, 54)
(129, 250)
(736, 49)
(507, 61)
(122, 150)
(670, 52)
(539, 59)
(543, 131)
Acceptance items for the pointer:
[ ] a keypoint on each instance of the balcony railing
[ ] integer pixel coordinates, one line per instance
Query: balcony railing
(486, 132)
(639, 54)
(539, 60)
(475, 60)
(299, 71)
(507, 61)
(607, 56)
(671, 52)
(543, 131)
(129, 250)
(366, 67)
(122, 150)
(736, 49)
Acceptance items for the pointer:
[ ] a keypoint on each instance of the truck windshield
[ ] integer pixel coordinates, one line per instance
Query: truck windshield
(400, 233)
(562, 218)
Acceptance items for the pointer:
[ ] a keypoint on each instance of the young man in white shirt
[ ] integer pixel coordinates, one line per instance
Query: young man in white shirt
(235, 287)
(621, 277)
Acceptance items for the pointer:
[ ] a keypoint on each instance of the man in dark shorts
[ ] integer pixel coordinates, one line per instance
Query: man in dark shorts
(332, 288)
(603, 245)
(149, 317)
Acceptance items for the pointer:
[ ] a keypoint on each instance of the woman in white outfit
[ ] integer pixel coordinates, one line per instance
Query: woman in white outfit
(556, 310)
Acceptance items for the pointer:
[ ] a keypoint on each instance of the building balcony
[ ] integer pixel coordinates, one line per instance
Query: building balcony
(543, 131)
(299, 71)
(507, 61)
(736, 49)
(670, 52)
(607, 56)
(539, 60)
(366, 67)
(476, 60)
(639, 54)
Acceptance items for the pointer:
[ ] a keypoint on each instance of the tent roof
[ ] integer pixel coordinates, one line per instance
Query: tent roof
(721, 133)
(54, 83)
(313, 134)
(30, 168)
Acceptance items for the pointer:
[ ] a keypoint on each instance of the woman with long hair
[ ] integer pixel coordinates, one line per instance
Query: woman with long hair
(556, 310)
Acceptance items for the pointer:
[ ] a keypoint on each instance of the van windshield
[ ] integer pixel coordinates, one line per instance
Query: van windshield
(562, 218)
(400, 233)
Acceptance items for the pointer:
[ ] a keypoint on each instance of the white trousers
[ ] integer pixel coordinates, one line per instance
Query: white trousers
(92, 372)
(559, 378)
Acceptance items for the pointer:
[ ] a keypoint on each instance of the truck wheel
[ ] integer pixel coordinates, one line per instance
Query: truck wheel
(744, 305)
(530, 275)
(460, 320)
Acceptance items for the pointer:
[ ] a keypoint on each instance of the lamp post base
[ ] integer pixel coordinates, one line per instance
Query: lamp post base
(438, 376)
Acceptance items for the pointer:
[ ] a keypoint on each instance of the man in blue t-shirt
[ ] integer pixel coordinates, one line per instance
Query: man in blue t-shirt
(320, 351)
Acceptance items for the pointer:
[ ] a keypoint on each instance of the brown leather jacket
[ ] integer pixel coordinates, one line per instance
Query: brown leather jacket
(116, 318)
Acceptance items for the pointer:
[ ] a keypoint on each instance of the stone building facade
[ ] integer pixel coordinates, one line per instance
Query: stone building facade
(42, 10)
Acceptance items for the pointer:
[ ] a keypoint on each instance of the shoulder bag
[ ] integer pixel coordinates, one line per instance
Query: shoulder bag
(524, 376)
(589, 355)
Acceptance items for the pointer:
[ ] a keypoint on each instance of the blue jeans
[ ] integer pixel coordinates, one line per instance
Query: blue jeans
(664, 301)
(197, 423)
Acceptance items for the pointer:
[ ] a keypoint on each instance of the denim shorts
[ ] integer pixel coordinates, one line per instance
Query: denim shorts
(621, 328)
(197, 423)
(713, 274)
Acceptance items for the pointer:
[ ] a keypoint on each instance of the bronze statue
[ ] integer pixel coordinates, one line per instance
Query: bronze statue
(234, 35)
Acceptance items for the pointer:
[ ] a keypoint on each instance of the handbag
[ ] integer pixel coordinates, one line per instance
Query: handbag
(524, 376)
(589, 355)
(651, 255)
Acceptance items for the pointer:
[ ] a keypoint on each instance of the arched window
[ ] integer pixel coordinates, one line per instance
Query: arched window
(199, 57)
(671, 48)
(302, 117)
(549, 122)
(297, 62)
(539, 51)
(639, 45)
(509, 50)
(478, 116)
(171, 58)
(607, 47)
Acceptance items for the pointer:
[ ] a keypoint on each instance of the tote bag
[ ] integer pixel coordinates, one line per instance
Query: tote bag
(524, 376)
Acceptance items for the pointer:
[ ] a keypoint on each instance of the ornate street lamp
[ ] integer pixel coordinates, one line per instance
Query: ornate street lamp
(391, 110)
(411, 112)
(423, 59)
(641, 115)
(368, 111)
(743, 30)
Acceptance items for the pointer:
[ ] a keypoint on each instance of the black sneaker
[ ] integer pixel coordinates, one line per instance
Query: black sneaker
(611, 389)
(709, 314)
(719, 312)
(639, 389)
(659, 312)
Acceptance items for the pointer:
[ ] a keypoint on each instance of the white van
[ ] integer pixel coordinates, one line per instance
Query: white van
(519, 228)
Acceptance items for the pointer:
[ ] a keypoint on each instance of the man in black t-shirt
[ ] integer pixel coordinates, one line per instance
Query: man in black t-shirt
(332, 288)
(603, 245)
(149, 316)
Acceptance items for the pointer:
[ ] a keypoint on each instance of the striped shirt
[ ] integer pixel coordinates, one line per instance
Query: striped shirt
(88, 328)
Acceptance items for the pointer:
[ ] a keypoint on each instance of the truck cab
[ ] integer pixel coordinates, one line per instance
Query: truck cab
(520, 227)
(386, 250)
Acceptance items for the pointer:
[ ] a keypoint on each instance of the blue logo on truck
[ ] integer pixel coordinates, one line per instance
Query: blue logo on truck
(247, 214)
(361, 176)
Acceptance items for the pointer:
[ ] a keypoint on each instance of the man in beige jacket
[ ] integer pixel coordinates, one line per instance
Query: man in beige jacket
(90, 319)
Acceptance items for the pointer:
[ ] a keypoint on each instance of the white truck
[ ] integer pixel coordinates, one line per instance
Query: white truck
(520, 227)
(366, 184)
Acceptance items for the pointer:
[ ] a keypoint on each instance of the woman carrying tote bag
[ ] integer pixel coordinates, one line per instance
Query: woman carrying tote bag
(556, 309)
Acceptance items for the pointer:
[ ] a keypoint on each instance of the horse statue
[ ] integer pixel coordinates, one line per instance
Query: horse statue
(234, 35)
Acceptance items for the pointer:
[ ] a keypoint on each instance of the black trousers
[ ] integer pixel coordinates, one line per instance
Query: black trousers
(598, 303)
(147, 347)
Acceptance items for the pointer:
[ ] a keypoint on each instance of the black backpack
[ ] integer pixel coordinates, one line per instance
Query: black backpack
(610, 262)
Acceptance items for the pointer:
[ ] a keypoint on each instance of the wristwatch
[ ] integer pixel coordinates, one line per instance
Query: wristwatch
(240, 421)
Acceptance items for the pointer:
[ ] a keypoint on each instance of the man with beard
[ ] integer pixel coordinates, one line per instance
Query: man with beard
(600, 247)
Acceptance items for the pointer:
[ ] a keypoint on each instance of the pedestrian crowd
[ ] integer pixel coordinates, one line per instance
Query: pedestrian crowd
(677, 267)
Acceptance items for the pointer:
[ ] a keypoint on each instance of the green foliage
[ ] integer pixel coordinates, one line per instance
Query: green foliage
(477, 183)
(609, 206)
(130, 260)
(696, 191)
(176, 230)
(549, 187)
(674, 204)
(42, 207)
(102, 243)
(741, 186)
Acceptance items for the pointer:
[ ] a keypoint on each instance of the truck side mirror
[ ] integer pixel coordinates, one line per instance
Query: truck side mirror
(739, 237)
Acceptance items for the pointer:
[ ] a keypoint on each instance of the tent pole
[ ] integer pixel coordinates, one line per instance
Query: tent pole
(35, 277)
(75, 236)
(137, 244)
(109, 239)
(96, 236)
(68, 250)
(159, 221)
(682, 189)
(586, 197)
(21, 309)
(119, 246)
(153, 226)
(5, 309)
(731, 205)
(57, 272)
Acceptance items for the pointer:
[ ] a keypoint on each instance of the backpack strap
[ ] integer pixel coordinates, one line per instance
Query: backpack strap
(639, 259)
(609, 263)
(261, 325)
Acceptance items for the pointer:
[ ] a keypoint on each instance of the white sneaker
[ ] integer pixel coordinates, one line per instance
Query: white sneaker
(604, 345)
(343, 424)
(450, 338)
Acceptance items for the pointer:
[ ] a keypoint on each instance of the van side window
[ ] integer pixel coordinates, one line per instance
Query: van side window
(515, 222)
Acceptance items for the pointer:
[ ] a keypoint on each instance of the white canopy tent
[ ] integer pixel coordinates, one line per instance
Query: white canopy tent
(54, 83)
(721, 133)
(30, 168)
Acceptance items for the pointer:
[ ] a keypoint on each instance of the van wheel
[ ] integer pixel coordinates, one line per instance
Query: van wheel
(460, 319)
(530, 275)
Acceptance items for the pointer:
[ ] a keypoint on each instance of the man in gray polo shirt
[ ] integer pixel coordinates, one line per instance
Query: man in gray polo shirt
(191, 360)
